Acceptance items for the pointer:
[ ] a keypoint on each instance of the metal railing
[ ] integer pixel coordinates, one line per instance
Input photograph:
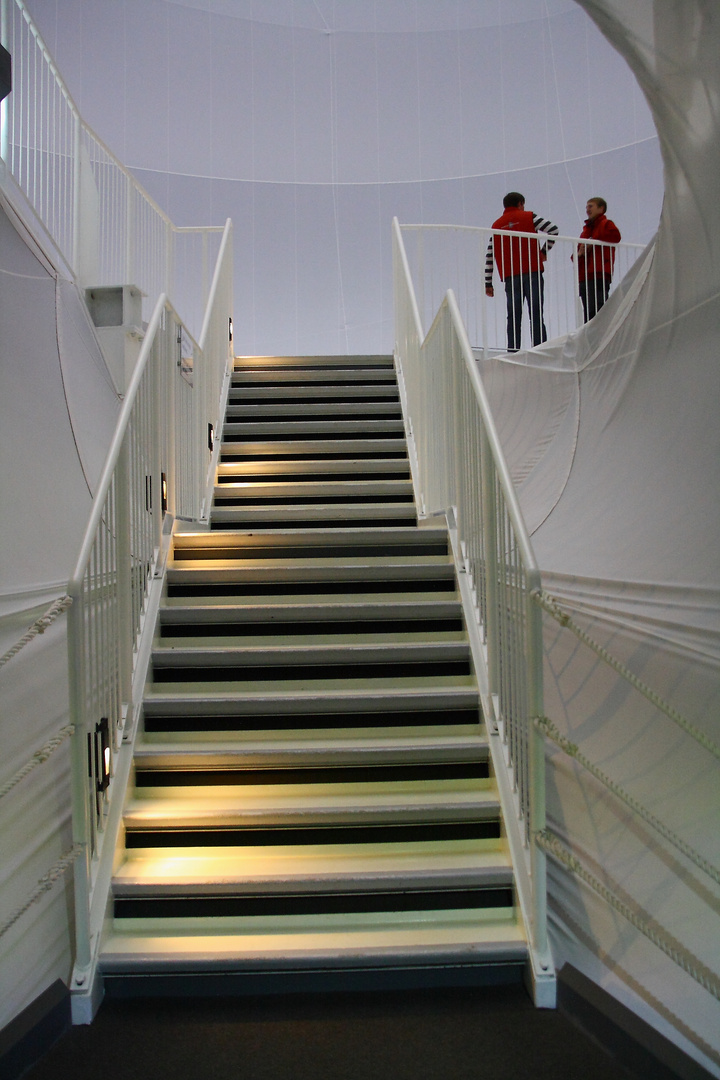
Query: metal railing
(442, 257)
(459, 468)
(103, 223)
(159, 466)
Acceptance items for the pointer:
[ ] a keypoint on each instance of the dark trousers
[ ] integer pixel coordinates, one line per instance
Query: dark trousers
(593, 293)
(531, 288)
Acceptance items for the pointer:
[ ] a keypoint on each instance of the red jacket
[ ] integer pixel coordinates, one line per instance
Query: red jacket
(598, 261)
(516, 255)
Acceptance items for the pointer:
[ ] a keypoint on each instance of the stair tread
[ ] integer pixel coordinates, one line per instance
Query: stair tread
(460, 936)
(310, 487)
(227, 608)
(352, 652)
(189, 870)
(302, 746)
(286, 804)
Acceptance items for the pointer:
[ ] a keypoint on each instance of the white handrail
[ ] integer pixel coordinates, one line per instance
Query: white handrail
(460, 469)
(442, 257)
(103, 222)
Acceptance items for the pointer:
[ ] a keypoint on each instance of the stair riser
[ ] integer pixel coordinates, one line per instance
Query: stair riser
(175, 777)
(413, 832)
(313, 904)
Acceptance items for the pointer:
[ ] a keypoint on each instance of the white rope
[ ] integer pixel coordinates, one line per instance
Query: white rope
(39, 626)
(679, 955)
(550, 604)
(44, 885)
(38, 758)
(543, 724)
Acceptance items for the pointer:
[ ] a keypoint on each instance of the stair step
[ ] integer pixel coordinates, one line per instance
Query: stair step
(311, 655)
(243, 449)
(297, 749)
(347, 490)
(311, 470)
(310, 805)
(320, 612)
(271, 410)
(333, 942)
(355, 868)
(373, 543)
(357, 392)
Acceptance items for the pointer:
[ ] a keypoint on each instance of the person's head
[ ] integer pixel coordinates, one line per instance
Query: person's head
(514, 198)
(595, 207)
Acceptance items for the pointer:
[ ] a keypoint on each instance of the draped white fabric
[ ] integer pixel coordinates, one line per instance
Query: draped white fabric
(59, 411)
(614, 441)
(313, 122)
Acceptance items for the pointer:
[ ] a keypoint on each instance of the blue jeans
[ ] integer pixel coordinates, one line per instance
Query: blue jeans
(529, 287)
(593, 293)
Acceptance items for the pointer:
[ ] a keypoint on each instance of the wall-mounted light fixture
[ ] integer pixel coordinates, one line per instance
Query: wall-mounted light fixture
(102, 754)
(211, 438)
(148, 493)
(230, 329)
(163, 492)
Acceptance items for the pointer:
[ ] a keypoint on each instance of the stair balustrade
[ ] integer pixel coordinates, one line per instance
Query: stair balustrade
(101, 221)
(442, 257)
(459, 470)
(160, 467)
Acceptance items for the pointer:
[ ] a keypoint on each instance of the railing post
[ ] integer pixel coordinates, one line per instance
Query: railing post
(77, 184)
(536, 753)
(4, 104)
(489, 547)
(123, 554)
(82, 832)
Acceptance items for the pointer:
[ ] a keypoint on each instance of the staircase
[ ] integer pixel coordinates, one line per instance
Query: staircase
(312, 805)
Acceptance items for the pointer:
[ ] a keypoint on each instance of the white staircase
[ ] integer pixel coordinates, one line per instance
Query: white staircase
(313, 805)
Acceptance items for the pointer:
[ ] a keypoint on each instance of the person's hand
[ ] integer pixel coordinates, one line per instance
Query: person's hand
(581, 249)
(489, 291)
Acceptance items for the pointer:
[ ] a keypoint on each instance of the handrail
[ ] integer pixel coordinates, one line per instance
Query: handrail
(424, 373)
(463, 473)
(156, 469)
(102, 221)
(442, 257)
(76, 581)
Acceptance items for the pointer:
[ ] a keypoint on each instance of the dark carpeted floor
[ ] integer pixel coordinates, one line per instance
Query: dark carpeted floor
(468, 1034)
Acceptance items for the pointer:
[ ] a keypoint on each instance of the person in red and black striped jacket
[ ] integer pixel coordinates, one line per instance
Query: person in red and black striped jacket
(520, 263)
(596, 261)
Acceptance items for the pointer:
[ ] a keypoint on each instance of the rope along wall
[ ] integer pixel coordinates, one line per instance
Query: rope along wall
(550, 604)
(38, 627)
(680, 956)
(543, 724)
(44, 885)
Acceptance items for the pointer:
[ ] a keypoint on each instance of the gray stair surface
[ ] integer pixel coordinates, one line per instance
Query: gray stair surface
(312, 801)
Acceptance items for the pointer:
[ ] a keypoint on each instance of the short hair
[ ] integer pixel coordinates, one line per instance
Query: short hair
(513, 198)
(599, 202)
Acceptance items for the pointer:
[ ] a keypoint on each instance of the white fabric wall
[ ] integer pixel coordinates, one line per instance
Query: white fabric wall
(313, 122)
(59, 410)
(614, 440)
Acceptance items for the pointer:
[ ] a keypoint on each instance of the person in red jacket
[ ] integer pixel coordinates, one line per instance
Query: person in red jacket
(520, 263)
(596, 261)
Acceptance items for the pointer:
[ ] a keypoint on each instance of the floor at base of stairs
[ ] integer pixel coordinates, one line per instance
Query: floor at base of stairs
(467, 1034)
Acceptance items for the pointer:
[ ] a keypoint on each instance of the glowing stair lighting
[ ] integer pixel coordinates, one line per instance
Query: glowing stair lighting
(312, 803)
